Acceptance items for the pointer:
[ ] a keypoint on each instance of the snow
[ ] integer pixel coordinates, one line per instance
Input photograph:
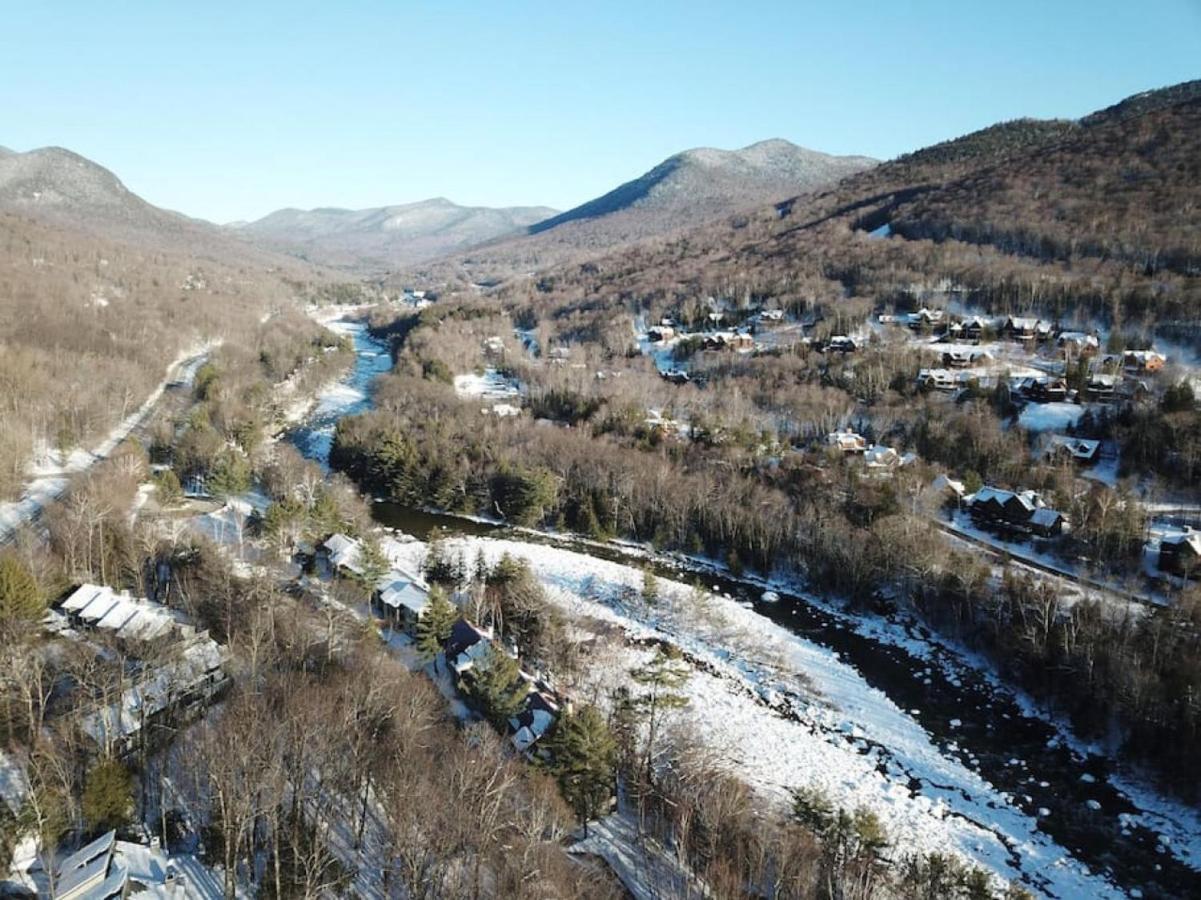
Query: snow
(883, 231)
(648, 870)
(832, 729)
(1050, 416)
(490, 385)
(52, 473)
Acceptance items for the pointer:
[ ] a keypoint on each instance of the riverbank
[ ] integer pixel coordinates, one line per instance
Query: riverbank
(997, 778)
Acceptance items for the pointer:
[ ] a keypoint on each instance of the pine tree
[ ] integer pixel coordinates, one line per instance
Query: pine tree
(107, 795)
(373, 565)
(496, 687)
(583, 756)
(435, 624)
(664, 675)
(20, 598)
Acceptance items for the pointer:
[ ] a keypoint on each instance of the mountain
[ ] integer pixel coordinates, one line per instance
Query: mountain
(684, 191)
(388, 236)
(1096, 219)
(705, 183)
(54, 184)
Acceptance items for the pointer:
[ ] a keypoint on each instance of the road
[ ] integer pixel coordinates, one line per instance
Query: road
(49, 486)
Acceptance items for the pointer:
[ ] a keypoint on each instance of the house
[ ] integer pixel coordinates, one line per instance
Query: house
(847, 441)
(728, 340)
(1142, 362)
(100, 607)
(466, 645)
(190, 679)
(1043, 389)
(1102, 387)
(342, 554)
(964, 357)
(90, 872)
(974, 327)
(885, 459)
(938, 379)
(1083, 344)
(1023, 510)
(841, 343)
(1080, 450)
(1026, 329)
(675, 376)
(741, 341)
(403, 597)
(109, 868)
(1180, 553)
(1046, 522)
(925, 318)
(660, 333)
(539, 712)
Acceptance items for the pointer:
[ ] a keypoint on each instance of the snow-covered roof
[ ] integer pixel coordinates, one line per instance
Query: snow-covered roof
(946, 482)
(1028, 499)
(402, 591)
(129, 618)
(1080, 448)
(1190, 539)
(1045, 516)
(81, 872)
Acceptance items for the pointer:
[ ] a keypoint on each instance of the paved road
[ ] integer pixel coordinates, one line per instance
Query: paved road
(43, 491)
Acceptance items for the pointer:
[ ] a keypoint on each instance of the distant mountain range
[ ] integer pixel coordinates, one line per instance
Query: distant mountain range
(387, 236)
(704, 183)
(686, 189)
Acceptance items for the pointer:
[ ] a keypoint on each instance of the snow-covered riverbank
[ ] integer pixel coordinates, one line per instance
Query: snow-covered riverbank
(786, 713)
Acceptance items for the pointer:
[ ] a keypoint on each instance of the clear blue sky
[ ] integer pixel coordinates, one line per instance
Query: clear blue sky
(230, 110)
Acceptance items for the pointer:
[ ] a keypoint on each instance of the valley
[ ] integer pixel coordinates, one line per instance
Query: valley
(774, 525)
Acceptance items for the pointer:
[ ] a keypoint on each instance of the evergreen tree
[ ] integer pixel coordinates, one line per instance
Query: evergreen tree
(664, 676)
(496, 687)
(20, 598)
(373, 565)
(435, 624)
(107, 795)
(583, 756)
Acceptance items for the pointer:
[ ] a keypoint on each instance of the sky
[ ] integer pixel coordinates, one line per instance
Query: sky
(227, 111)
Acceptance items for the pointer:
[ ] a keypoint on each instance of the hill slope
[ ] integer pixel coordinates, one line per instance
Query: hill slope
(1098, 218)
(387, 236)
(705, 182)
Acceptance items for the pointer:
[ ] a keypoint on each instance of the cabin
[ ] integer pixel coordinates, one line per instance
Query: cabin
(1142, 362)
(539, 712)
(1043, 389)
(883, 459)
(938, 379)
(341, 554)
(128, 619)
(847, 441)
(1025, 329)
(403, 598)
(1022, 510)
(1102, 387)
(89, 872)
(925, 318)
(1180, 554)
(1082, 344)
(466, 646)
(965, 357)
(974, 327)
(1078, 450)
(841, 343)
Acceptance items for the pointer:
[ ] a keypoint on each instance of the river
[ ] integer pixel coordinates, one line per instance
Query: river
(1077, 797)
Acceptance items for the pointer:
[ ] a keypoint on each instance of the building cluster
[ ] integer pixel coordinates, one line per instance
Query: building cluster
(402, 598)
(174, 668)
(1022, 511)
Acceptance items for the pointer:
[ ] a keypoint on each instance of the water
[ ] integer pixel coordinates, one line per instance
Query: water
(956, 704)
(349, 397)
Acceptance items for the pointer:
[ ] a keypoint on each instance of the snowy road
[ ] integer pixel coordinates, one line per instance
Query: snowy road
(50, 480)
